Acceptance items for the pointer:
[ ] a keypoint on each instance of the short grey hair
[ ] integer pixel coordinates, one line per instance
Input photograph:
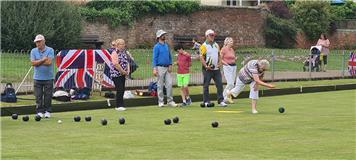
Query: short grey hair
(264, 63)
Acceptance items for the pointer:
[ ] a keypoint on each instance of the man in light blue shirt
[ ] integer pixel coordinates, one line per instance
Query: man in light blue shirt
(42, 61)
(162, 68)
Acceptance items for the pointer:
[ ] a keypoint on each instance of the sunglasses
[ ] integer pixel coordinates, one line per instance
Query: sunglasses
(212, 35)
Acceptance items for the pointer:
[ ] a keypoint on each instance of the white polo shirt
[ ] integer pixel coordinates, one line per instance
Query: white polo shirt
(210, 51)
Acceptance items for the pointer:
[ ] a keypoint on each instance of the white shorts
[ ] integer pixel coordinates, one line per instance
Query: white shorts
(239, 86)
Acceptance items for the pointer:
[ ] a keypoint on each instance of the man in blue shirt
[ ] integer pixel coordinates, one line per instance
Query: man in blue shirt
(42, 58)
(162, 68)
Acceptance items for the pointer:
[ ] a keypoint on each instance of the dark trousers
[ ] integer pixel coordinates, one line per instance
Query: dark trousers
(216, 76)
(43, 94)
(120, 89)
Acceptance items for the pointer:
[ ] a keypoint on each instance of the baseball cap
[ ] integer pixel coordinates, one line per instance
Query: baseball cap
(39, 37)
(160, 32)
(209, 31)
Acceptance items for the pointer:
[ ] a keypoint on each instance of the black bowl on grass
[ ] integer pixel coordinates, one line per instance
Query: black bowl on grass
(167, 121)
(211, 104)
(214, 124)
(202, 105)
(176, 119)
(104, 122)
(76, 118)
(25, 118)
(14, 116)
(38, 118)
(281, 110)
(88, 118)
(121, 120)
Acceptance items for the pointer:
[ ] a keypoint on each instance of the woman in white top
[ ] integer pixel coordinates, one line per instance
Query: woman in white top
(325, 44)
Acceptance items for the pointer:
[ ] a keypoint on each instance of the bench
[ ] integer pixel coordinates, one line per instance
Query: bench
(90, 40)
(186, 40)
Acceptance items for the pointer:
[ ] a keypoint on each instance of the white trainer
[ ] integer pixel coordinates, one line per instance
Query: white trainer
(40, 114)
(120, 108)
(160, 104)
(47, 115)
(254, 111)
(172, 104)
(222, 104)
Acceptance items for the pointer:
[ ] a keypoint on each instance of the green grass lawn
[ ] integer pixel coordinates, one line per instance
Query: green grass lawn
(15, 66)
(314, 126)
(195, 90)
(279, 85)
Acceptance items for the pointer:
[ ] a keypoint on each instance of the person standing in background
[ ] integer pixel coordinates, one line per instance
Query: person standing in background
(162, 68)
(41, 59)
(229, 66)
(196, 46)
(184, 62)
(325, 44)
(112, 47)
(211, 62)
(119, 70)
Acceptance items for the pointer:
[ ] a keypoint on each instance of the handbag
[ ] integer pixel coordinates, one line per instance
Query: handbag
(133, 66)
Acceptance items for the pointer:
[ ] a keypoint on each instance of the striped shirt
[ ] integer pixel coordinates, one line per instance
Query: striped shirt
(246, 72)
(210, 51)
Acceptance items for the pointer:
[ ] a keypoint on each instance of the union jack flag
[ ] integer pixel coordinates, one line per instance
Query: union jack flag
(76, 68)
(352, 63)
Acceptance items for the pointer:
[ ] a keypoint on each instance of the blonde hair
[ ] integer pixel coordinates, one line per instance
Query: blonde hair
(228, 40)
(113, 43)
(264, 63)
(118, 41)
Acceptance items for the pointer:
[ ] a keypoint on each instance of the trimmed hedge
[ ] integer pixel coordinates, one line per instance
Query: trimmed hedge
(125, 12)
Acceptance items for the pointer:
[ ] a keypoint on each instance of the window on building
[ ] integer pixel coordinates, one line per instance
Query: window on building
(231, 2)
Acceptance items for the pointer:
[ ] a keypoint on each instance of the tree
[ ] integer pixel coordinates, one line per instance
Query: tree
(345, 11)
(59, 22)
(280, 33)
(313, 17)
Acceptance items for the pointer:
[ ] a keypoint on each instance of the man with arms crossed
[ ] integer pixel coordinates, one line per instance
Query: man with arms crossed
(41, 59)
